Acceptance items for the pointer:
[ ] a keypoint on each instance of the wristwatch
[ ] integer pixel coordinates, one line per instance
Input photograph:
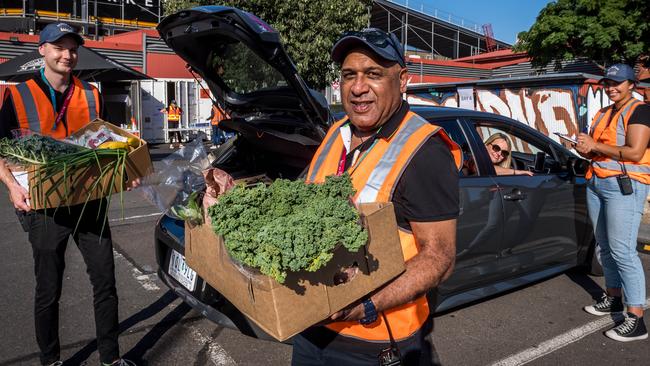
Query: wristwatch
(370, 311)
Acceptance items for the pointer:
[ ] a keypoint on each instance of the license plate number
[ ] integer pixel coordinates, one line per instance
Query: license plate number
(181, 271)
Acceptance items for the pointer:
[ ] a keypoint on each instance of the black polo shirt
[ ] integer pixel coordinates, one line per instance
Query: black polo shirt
(9, 120)
(640, 116)
(428, 188)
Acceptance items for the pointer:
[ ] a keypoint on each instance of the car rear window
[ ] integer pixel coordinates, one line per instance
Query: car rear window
(241, 69)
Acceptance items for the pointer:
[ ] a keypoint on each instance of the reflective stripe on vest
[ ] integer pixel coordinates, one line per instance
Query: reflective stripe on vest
(378, 175)
(29, 106)
(90, 98)
(35, 112)
(374, 179)
(174, 114)
(614, 135)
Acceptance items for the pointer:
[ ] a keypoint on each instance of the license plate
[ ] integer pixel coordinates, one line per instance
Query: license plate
(181, 271)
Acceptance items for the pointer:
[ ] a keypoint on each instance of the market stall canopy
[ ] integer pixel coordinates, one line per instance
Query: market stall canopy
(91, 66)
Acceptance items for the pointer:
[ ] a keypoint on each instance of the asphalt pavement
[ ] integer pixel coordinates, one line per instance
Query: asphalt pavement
(539, 324)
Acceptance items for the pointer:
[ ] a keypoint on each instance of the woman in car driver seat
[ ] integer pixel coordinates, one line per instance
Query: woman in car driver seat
(499, 147)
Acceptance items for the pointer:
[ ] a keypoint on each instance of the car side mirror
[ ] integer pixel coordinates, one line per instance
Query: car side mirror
(578, 166)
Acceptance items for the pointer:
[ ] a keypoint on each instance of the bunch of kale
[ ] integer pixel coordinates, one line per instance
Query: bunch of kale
(35, 149)
(288, 225)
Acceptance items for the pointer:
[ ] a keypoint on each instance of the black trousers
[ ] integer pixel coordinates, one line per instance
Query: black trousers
(48, 234)
(318, 346)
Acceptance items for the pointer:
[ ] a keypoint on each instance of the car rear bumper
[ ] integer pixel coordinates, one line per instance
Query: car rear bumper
(203, 298)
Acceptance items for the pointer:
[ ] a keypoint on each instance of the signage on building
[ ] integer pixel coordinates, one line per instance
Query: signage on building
(466, 97)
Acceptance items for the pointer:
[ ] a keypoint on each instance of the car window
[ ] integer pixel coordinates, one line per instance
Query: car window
(241, 69)
(454, 131)
(513, 149)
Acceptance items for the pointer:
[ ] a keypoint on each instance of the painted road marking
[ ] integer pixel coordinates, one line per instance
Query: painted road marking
(563, 340)
(217, 354)
(147, 281)
(136, 217)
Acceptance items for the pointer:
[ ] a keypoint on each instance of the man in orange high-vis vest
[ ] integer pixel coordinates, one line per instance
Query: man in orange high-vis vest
(392, 155)
(216, 116)
(55, 103)
(174, 113)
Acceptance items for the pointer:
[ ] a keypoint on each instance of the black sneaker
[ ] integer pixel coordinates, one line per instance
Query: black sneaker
(632, 329)
(606, 305)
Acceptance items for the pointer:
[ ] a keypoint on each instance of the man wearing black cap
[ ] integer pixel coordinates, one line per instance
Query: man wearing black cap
(392, 155)
(56, 104)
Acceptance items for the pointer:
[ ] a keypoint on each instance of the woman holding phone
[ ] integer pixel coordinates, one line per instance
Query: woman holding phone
(618, 176)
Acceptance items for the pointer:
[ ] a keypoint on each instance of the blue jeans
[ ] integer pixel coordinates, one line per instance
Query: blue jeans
(217, 136)
(616, 220)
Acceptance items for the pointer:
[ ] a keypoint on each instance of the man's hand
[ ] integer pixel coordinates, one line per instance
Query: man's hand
(134, 184)
(353, 312)
(19, 197)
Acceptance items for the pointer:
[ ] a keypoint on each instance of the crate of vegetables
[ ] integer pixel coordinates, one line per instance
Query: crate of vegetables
(290, 254)
(98, 160)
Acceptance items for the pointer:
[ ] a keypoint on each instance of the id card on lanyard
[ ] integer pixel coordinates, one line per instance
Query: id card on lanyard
(66, 102)
(355, 159)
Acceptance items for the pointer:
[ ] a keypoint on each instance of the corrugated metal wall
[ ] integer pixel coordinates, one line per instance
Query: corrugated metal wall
(448, 71)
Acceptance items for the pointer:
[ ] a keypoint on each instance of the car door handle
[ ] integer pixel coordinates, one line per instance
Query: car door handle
(515, 195)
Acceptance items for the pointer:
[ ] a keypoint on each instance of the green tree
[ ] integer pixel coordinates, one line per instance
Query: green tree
(308, 28)
(605, 31)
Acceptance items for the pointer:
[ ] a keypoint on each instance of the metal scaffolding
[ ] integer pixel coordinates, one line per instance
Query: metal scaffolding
(429, 33)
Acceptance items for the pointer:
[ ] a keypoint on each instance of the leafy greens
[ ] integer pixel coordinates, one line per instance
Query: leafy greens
(288, 225)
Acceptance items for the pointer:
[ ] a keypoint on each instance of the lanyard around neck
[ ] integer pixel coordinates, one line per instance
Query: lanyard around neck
(357, 162)
(58, 116)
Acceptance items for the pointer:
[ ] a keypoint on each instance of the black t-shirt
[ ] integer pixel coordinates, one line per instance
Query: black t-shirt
(428, 188)
(9, 120)
(640, 116)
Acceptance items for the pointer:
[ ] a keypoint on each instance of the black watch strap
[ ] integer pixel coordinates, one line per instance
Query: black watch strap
(370, 311)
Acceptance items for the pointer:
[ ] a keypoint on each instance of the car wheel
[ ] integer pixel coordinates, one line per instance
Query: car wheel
(592, 263)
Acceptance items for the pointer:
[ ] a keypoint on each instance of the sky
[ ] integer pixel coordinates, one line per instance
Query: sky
(508, 17)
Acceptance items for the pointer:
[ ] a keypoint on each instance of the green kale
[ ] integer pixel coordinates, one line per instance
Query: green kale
(288, 225)
(35, 149)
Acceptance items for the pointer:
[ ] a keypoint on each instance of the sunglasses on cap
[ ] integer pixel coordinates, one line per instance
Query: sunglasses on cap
(377, 38)
(498, 149)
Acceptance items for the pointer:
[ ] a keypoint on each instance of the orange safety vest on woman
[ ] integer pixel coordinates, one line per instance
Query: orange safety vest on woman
(375, 177)
(611, 130)
(35, 112)
(173, 114)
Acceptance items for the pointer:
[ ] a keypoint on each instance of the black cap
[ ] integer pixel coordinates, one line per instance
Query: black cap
(383, 44)
(54, 31)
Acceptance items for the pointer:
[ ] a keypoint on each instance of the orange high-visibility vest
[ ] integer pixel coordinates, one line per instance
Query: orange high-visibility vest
(173, 114)
(35, 112)
(614, 134)
(375, 177)
(217, 115)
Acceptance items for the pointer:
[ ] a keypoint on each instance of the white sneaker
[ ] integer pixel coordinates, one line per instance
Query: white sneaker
(171, 146)
(180, 145)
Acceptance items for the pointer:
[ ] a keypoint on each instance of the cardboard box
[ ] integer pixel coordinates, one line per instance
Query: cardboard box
(138, 164)
(306, 298)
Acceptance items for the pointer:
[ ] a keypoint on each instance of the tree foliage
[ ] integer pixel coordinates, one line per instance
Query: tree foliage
(308, 28)
(605, 31)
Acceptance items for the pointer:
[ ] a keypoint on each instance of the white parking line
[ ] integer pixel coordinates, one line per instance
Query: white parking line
(558, 342)
(147, 281)
(216, 353)
(136, 217)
